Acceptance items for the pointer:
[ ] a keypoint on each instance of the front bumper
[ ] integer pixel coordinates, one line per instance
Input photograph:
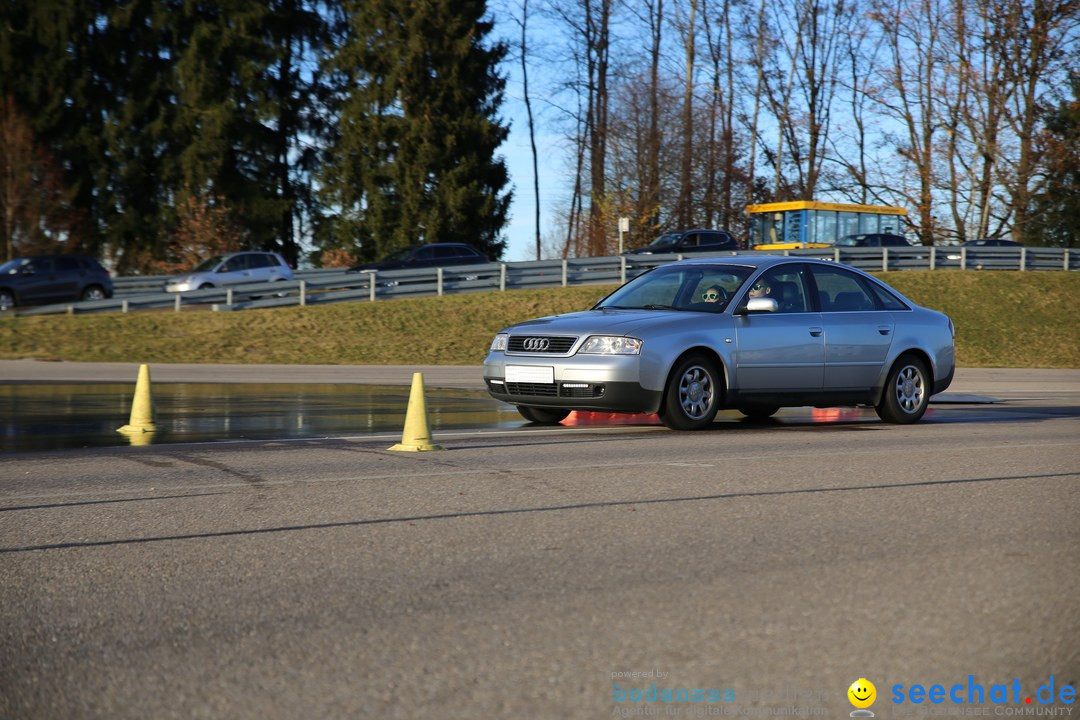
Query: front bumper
(592, 382)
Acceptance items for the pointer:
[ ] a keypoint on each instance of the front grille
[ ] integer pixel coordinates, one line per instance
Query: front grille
(540, 389)
(555, 345)
(564, 390)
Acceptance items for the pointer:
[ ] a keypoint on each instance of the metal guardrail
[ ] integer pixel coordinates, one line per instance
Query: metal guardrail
(323, 286)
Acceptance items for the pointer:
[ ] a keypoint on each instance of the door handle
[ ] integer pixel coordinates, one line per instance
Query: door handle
(815, 331)
(884, 329)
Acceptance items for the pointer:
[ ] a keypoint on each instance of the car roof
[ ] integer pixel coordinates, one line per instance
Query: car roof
(755, 261)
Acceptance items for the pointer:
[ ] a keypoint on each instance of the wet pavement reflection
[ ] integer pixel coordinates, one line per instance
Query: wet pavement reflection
(49, 417)
(58, 416)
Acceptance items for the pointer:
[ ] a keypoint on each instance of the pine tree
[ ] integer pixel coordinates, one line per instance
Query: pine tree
(419, 130)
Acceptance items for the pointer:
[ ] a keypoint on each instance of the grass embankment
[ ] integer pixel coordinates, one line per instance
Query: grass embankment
(1003, 319)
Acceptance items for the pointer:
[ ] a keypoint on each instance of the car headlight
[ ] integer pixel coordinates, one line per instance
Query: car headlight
(611, 345)
(499, 343)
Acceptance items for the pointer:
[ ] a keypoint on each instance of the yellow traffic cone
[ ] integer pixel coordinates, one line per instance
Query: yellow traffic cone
(142, 407)
(416, 436)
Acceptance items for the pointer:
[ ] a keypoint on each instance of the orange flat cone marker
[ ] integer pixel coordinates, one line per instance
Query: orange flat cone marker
(416, 437)
(143, 417)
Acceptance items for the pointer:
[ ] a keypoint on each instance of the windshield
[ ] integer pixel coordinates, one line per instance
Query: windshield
(697, 287)
(665, 240)
(207, 265)
(12, 266)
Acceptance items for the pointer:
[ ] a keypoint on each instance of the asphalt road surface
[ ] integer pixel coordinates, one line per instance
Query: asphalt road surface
(530, 573)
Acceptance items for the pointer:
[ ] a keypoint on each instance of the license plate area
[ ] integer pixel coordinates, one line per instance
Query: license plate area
(530, 374)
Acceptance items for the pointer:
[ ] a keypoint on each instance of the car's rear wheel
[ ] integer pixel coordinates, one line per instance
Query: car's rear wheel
(759, 412)
(693, 394)
(7, 301)
(94, 292)
(907, 391)
(543, 416)
(206, 286)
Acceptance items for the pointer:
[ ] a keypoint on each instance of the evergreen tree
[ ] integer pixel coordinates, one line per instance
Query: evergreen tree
(415, 161)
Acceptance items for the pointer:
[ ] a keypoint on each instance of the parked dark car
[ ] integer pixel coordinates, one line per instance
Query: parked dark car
(688, 241)
(991, 242)
(427, 256)
(48, 279)
(873, 240)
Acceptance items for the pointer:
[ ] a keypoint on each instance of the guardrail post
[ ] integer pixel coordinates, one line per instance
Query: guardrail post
(123, 306)
(70, 309)
(371, 287)
(303, 293)
(176, 303)
(622, 269)
(884, 259)
(836, 254)
(502, 277)
(438, 281)
(963, 258)
(564, 262)
(933, 258)
(228, 296)
(1023, 259)
(1065, 257)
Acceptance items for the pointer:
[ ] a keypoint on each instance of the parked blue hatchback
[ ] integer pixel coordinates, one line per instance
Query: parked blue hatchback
(48, 279)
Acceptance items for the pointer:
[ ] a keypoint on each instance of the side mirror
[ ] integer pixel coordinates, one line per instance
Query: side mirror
(759, 305)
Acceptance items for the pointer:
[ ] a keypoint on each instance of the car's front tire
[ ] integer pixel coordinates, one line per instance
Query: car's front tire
(693, 394)
(543, 416)
(94, 292)
(907, 391)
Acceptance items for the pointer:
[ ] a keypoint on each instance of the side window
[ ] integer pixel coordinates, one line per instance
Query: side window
(689, 241)
(886, 298)
(841, 291)
(238, 263)
(39, 265)
(425, 254)
(445, 253)
(67, 264)
(259, 260)
(787, 285)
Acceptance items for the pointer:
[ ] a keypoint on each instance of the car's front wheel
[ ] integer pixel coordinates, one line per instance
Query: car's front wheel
(94, 292)
(907, 391)
(543, 416)
(693, 394)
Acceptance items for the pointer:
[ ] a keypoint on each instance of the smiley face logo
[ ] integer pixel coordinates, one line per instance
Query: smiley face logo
(862, 693)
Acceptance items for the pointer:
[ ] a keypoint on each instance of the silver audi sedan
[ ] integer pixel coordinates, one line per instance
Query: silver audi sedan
(752, 333)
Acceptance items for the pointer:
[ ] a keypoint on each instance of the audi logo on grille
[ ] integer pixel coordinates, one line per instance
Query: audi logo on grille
(538, 344)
